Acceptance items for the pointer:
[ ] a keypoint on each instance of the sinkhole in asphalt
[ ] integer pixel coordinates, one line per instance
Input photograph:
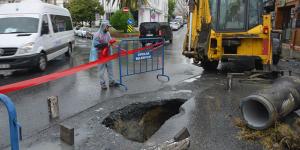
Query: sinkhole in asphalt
(138, 122)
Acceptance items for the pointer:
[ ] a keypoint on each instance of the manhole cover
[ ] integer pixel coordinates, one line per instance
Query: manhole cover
(138, 122)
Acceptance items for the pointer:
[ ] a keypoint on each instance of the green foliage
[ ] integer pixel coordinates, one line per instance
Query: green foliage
(84, 10)
(119, 20)
(172, 5)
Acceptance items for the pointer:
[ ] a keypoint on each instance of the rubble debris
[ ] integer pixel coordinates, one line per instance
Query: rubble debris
(172, 145)
(280, 137)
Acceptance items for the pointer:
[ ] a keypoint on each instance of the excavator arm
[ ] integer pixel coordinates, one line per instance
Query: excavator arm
(199, 24)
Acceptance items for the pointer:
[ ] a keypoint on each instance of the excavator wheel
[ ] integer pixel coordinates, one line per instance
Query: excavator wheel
(209, 65)
(196, 61)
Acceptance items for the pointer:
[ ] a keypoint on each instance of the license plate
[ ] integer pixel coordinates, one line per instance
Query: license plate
(149, 35)
(4, 66)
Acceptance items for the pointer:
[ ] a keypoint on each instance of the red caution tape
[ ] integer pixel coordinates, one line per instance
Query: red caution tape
(54, 76)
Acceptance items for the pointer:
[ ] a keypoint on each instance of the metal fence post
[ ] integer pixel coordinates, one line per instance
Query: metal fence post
(151, 52)
(163, 63)
(15, 128)
(120, 65)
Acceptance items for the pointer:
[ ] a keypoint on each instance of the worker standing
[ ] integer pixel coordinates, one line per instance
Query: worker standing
(100, 42)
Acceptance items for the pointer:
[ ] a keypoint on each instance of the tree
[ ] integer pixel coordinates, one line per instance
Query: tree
(171, 6)
(119, 20)
(84, 10)
(131, 4)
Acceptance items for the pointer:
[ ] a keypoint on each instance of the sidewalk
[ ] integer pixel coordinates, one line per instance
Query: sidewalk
(288, 53)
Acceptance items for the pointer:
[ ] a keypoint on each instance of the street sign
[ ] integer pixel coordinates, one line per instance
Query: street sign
(129, 28)
(142, 56)
(125, 9)
(129, 21)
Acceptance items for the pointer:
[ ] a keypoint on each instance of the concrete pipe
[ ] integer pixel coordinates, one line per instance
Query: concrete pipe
(262, 109)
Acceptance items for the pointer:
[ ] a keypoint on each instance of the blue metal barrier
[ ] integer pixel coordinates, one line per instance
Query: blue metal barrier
(148, 60)
(15, 128)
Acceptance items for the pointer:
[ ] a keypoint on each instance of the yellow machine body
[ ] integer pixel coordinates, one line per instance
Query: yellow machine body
(208, 44)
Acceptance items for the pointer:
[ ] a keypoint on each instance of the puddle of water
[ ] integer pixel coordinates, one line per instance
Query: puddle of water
(6, 73)
(182, 91)
(50, 146)
(138, 122)
(192, 79)
(187, 61)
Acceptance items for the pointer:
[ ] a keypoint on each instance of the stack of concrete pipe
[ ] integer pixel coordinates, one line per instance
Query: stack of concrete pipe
(262, 109)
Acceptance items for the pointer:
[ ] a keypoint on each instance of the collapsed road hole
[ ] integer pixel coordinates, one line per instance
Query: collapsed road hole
(138, 122)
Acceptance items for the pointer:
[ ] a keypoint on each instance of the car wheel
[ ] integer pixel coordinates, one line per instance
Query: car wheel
(70, 50)
(42, 63)
(196, 61)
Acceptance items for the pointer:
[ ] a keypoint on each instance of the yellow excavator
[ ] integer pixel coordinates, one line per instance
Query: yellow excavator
(229, 31)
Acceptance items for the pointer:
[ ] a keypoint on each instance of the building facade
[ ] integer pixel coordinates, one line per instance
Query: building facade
(154, 11)
(9, 1)
(109, 8)
(287, 19)
(55, 2)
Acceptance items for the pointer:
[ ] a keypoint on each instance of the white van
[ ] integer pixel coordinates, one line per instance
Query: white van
(33, 33)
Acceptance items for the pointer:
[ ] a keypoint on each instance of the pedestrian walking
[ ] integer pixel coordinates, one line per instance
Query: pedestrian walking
(100, 42)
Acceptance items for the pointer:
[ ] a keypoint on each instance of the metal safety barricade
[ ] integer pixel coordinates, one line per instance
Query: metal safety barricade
(150, 56)
(15, 128)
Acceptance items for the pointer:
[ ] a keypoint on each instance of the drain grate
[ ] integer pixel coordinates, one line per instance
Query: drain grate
(138, 122)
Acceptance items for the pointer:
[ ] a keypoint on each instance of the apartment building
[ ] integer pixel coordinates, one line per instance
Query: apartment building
(55, 2)
(287, 19)
(154, 11)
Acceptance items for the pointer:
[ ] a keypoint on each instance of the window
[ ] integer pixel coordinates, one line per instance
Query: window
(236, 15)
(232, 14)
(61, 23)
(214, 12)
(298, 20)
(255, 13)
(18, 25)
(45, 25)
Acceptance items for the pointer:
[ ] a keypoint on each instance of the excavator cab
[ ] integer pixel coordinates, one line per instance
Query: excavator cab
(229, 31)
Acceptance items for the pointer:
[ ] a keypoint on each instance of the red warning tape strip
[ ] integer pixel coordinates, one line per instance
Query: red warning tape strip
(54, 76)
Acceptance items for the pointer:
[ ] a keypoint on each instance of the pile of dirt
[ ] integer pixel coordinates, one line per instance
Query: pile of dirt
(280, 137)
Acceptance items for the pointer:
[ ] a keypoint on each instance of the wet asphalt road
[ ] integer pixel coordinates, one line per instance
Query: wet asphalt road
(82, 90)
(208, 113)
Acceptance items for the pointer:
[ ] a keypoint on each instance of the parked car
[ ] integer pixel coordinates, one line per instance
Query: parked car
(150, 30)
(166, 31)
(34, 34)
(82, 32)
(174, 26)
(76, 31)
(90, 33)
(179, 21)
